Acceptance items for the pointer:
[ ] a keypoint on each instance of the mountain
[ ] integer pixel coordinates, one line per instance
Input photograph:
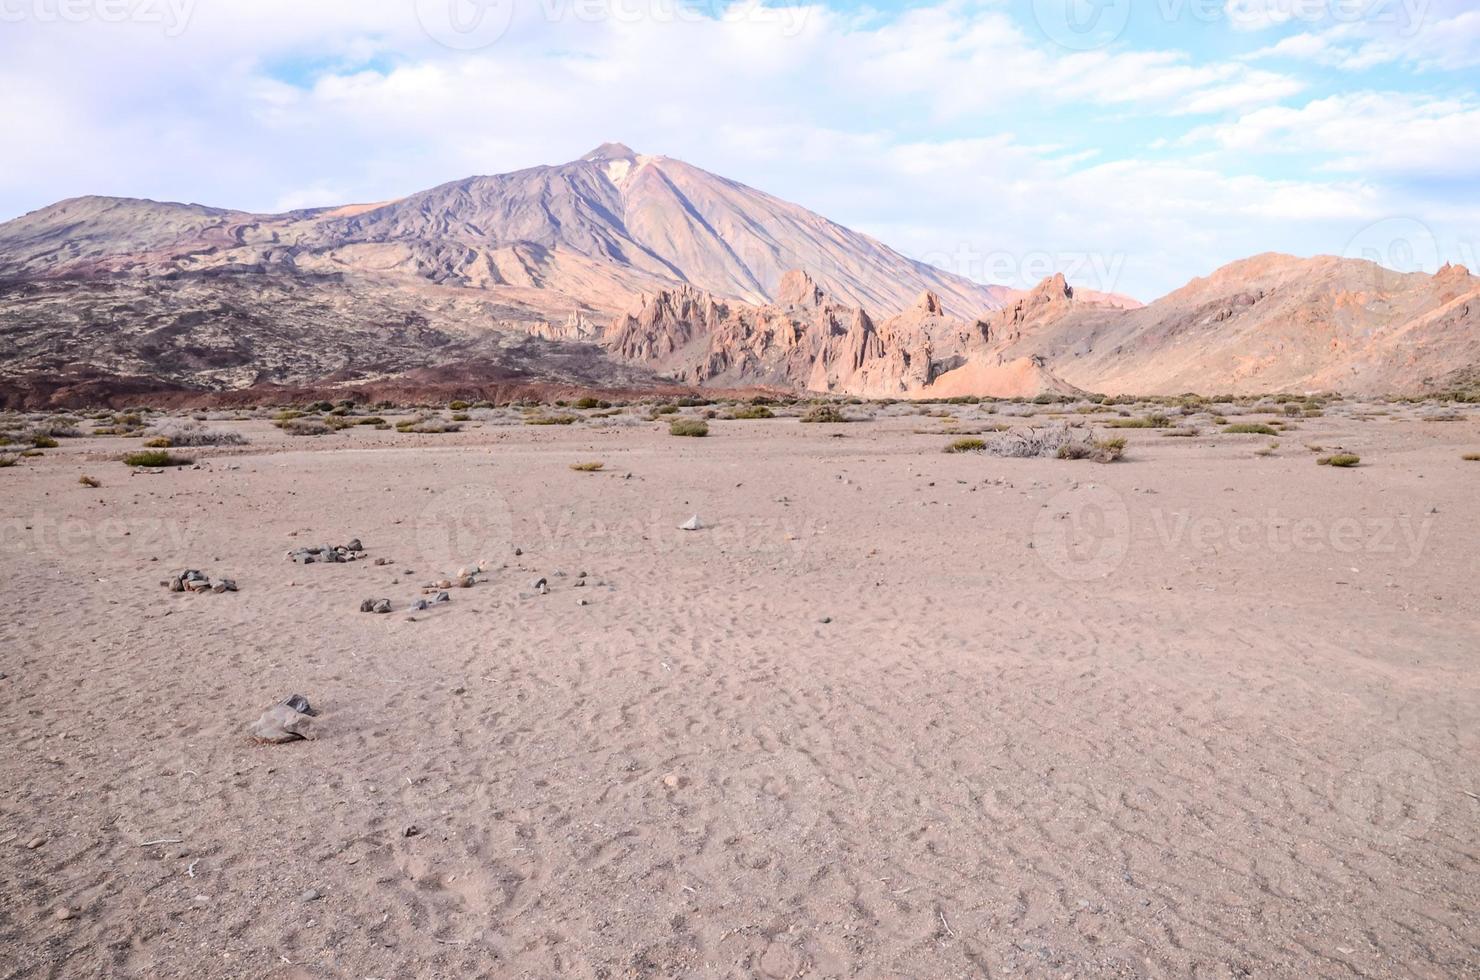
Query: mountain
(627, 271)
(1267, 323)
(583, 235)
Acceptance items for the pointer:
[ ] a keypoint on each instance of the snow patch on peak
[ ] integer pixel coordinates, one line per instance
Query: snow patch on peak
(617, 171)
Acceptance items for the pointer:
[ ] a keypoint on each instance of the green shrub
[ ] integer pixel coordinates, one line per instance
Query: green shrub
(8, 460)
(42, 441)
(967, 446)
(752, 412)
(587, 467)
(158, 442)
(688, 427)
(1153, 421)
(665, 410)
(1340, 459)
(550, 420)
(156, 458)
(824, 413)
(89, 481)
(459, 406)
(1252, 428)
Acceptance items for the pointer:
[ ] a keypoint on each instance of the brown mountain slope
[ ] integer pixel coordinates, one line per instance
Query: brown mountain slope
(593, 233)
(1268, 323)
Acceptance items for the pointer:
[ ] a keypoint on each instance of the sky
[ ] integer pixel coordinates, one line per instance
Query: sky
(1131, 144)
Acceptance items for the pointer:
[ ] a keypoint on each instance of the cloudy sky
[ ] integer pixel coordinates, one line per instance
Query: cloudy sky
(1133, 144)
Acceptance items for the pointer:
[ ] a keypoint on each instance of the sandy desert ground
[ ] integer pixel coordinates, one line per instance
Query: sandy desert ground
(891, 713)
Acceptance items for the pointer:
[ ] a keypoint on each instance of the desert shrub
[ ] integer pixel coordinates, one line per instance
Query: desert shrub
(1060, 441)
(89, 481)
(824, 413)
(1099, 450)
(586, 403)
(967, 446)
(158, 442)
(752, 412)
(1252, 428)
(432, 426)
(64, 427)
(370, 420)
(551, 419)
(587, 467)
(688, 427)
(8, 459)
(1185, 431)
(688, 401)
(41, 440)
(156, 458)
(1156, 420)
(459, 406)
(461, 417)
(304, 427)
(665, 410)
(1340, 459)
(177, 433)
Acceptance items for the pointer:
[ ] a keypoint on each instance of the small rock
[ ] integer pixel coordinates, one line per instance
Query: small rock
(35, 842)
(674, 781)
(466, 582)
(542, 587)
(381, 606)
(583, 602)
(825, 620)
(62, 914)
(412, 831)
(300, 704)
(281, 723)
(354, 545)
(441, 597)
(312, 895)
(692, 524)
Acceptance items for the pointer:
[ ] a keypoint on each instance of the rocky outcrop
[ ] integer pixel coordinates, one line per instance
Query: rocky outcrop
(805, 340)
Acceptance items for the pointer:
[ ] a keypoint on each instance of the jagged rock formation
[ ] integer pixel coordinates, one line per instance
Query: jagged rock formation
(805, 340)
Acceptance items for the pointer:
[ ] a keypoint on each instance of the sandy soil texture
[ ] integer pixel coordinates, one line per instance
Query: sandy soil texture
(891, 713)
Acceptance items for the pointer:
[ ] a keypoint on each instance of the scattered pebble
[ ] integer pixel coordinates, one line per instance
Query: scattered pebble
(63, 913)
(312, 895)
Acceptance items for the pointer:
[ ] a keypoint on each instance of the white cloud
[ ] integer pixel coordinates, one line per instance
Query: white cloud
(1371, 133)
(898, 124)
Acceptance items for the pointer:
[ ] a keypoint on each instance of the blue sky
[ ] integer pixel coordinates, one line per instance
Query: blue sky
(1132, 144)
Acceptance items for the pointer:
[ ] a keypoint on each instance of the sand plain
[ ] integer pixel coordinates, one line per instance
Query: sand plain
(891, 713)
